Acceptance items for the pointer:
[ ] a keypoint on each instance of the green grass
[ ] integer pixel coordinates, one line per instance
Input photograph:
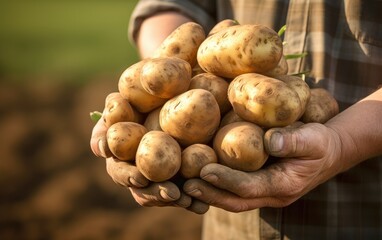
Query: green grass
(67, 39)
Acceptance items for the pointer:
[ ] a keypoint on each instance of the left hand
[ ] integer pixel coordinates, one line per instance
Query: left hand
(309, 155)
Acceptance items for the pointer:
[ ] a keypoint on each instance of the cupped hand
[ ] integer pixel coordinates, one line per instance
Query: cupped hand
(308, 155)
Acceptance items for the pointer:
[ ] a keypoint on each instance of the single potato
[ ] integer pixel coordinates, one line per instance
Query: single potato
(240, 146)
(158, 156)
(223, 24)
(230, 117)
(240, 49)
(123, 139)
(216, 85)
(321, 107)
(194, 158)
(166, 77)
(265, 101)
(182, 43)
(152, 120)
(117, 109)
(191, 117)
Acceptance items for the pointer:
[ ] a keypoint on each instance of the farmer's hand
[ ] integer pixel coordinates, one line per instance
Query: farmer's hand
(309, 155)
(144, 192)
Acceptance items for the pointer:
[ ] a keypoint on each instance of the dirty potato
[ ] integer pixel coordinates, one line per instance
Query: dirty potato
(166, 77)
(230, 117)
(265, 101)
(130, 87)
(194, 158)
(123, 139)
(117, 109)
(191, 117)
(240, 146)
(299, 86)
(182, 43)
(152, 120)
(240, 49)
(216, 85)
(158, 156)
(223, 24)
(321, 107)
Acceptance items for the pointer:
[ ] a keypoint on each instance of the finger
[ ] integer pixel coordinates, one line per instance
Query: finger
(198, 207)
(125, 173)
(270, 183)
(220, 198)
(156, 194)
(184, 201)
(306, 140)
(98, 142)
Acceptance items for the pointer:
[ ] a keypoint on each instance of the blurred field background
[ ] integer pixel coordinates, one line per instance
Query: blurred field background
(58, 61)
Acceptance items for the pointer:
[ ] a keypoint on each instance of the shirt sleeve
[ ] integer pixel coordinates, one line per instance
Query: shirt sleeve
(201, 12)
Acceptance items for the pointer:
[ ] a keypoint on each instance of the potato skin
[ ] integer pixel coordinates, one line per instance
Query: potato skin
(166, 77)
(299, 86)
(321, 107)
(216, 85)
(281, 69)
(117, 109)
(194, 158)
(223, 24)
(130, 87)
(265, 101)
(182, 43)
(240, 49)
(230, 117)
(240, 146)
(152, 120)
(123, 139)
(158, 156)
(191, 117)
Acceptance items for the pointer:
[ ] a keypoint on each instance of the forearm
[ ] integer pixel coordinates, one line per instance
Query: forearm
(155, 29)
(360, 130)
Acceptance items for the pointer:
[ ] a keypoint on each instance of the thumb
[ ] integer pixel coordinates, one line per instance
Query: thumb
(293, 141)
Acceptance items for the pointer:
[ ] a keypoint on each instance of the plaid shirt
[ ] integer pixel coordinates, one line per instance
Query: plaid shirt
(343, 39)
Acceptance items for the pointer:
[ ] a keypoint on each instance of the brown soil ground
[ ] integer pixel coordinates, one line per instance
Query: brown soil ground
(51, 185)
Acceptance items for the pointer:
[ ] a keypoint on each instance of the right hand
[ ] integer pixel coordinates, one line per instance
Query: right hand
(144, 192)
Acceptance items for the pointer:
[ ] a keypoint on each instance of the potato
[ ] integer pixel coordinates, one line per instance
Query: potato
(166, 77)
(223, 24)
(197, 70)
(240, 49)
(117, 109)
(216, 85)
(300, 86)
(130, 87)
(230, 117)
(123, 139)
(265, 101)
(280, 69)
(152, 120)
(191, 117)
(158, 156)
(194, 158)
(240, 146)
(321, 107)
(183, 43)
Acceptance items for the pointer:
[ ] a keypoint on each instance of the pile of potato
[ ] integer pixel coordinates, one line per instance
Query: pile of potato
(208, 99)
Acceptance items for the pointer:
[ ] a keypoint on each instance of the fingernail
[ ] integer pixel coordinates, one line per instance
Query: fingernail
(135, 183)
(277, 142)
(167, 196)
(194, 192)
(102, 144)
(210, 178)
